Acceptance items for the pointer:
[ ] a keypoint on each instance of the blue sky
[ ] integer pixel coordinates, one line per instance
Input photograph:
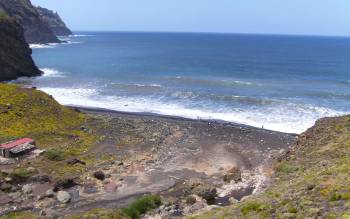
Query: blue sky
(308, 17)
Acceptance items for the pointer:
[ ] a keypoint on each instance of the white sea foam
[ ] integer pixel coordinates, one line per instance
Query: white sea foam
(43, 46)
(81, 35)
(292, 118)
(52, 45)
(243, 82)
(147, 85)
(53, 73)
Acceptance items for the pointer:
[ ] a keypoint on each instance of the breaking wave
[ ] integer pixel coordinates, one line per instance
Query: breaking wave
(288, 117)
(53, 73)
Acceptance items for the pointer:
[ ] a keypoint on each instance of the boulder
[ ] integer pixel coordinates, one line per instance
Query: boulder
(111, 187)
(100, 175)
(200, 188)
(64, 184)
(233, 174)
(27, 189)
(63, 197)
(40, 178)
(6, 187)
(75, 161)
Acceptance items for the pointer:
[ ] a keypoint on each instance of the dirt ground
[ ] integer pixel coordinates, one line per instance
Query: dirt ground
(159, 154)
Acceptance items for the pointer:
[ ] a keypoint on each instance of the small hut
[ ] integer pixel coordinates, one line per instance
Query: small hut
(17, 148)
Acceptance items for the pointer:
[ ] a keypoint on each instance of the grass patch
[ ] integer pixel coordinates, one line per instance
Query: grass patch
(101, 214)
(254, 207)
(19, 215)
(142, 206)
(3, 16)
(22, 174)
(31, 113)
(285, 168)
(53, 155)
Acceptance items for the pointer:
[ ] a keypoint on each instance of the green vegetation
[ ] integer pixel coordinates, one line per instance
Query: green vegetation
(142, 206)
(3, 15)
(19, 215)
(253, 207)
(134, 211)
(26, 112)
(101, 214)
(53, 155)
(311, 182)
(21, 175)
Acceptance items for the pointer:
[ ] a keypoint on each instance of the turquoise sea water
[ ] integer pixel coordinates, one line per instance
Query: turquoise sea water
(283, 83)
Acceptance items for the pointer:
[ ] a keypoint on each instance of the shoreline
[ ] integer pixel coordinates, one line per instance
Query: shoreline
(96, 110)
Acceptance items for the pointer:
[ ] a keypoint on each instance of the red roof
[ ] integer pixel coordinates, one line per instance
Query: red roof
(16, 143)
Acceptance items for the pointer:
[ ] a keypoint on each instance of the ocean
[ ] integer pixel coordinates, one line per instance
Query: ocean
(282, 83)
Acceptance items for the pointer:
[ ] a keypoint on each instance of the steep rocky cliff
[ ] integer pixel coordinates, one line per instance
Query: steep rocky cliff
(15, 54)
(55, 22)
(36, 30)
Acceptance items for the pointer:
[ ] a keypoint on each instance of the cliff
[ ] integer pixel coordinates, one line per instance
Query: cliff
(55, 22)
(36, 30)
(15, 54)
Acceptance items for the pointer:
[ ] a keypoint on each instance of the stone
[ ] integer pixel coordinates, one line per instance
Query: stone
(63, 197)
(50, 193)
(64, 184)
(6, 187)
(233, 174)
(41, 178)
(27, 189)
(31, 169)
(199, 205)
(289, 215)
(90, 189)
(8, 179)
(198, 187)
(100, 175)
(190, 200)
(75, 161)
(232, 200)
(111, 187)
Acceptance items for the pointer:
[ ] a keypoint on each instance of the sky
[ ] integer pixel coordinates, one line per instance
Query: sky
(305, 17)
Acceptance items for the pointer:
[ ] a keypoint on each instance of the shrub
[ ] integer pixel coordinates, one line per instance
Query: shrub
(3, 15)
(285, 168)
(253, 207)
(54, 155)
(21, 175)
(142, 206)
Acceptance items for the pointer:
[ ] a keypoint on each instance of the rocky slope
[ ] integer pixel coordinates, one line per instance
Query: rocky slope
(36, 30)
(15, 54)
(310, 181)
(55, 22)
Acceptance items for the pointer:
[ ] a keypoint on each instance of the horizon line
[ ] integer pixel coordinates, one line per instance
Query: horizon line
(204, 32)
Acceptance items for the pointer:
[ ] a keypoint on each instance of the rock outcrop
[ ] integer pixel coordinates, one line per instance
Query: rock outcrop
(36, 30)
(15, 54)
(55, 22)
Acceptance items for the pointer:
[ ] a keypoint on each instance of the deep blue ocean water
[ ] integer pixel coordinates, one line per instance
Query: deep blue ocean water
(283, 83)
